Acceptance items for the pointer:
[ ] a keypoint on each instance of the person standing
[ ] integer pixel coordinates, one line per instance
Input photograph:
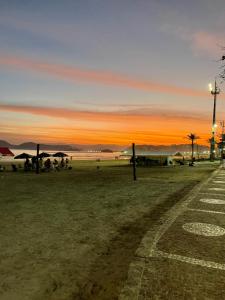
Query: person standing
(62, 164)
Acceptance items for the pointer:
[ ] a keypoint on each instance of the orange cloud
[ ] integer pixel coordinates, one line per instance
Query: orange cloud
(105, 116)
(93, 76)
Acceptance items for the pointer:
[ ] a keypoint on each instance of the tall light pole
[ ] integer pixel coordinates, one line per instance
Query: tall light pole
(214, 92)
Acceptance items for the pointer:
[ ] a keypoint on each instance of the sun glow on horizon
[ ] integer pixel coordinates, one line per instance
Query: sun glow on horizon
(79, 127)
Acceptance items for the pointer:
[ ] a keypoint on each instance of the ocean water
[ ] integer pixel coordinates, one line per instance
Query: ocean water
(76, 155)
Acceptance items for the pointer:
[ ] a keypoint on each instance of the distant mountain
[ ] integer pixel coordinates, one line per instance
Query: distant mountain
(5, 144)
(100, 147)
(33, 146)
(169, 148)
(106, 147)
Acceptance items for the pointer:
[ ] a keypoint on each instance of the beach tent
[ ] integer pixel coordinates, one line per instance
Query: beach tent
(152, 158)
(4, 151)
(155, 159)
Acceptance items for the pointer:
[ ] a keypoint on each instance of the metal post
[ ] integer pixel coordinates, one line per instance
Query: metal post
(214, 92)
(192, 151)
(134, 162)
(197, 150)
(37, 161)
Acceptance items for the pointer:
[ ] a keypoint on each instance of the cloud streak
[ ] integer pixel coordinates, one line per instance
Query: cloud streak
(117, 116)
(95, 76)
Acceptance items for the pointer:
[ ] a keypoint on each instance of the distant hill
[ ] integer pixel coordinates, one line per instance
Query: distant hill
(5, 144)
(100, 147)
(105, 147)
(75, 147)
(33, 146)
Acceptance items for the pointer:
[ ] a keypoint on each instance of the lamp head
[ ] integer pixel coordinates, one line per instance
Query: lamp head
(210, 87)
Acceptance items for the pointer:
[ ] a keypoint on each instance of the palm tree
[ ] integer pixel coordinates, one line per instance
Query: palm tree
(192, 137)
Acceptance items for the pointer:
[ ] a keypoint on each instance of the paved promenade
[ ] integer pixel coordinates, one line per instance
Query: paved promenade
(183, 256)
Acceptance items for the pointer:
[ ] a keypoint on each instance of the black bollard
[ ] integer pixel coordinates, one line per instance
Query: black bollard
(134, 162)
(37, 160)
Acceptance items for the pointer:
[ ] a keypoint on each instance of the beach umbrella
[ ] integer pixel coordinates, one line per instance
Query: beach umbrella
(178, 154)
(59, 154)
(23, 156)
(44, 154)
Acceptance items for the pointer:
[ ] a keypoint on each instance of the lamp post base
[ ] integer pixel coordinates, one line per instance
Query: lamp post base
(212, 157)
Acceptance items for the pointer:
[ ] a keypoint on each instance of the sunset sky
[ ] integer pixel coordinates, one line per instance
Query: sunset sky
(112, 72)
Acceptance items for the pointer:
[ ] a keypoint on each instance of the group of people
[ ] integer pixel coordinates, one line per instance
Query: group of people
(55, 164)
(30, 164)
(46, 165)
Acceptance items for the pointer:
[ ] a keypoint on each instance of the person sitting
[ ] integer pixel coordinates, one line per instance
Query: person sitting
(56, 165)
(62, 164)
(48, 165)
(67, 163)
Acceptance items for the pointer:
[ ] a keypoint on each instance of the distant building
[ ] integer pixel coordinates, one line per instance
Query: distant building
(4, 151)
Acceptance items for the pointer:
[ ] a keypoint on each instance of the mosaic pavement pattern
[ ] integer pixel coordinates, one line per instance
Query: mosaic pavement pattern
(186, 259)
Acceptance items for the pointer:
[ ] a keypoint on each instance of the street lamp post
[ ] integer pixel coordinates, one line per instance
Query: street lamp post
(214, 92)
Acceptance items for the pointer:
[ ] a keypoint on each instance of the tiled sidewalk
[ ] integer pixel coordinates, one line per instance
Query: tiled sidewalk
(184, 257)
